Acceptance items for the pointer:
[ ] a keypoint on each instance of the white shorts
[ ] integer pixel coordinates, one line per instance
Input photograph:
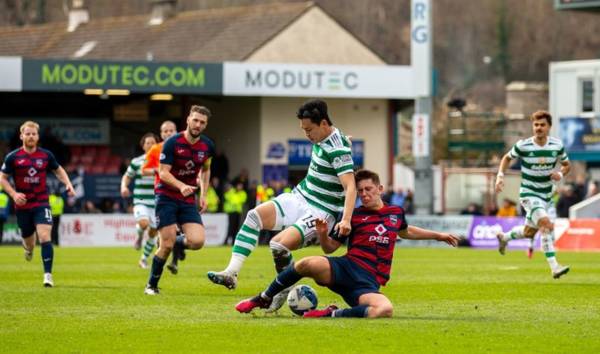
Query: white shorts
(535, 209)
(141, 211)
(293, 210)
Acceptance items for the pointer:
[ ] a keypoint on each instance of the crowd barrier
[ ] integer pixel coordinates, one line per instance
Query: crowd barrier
(82, 230)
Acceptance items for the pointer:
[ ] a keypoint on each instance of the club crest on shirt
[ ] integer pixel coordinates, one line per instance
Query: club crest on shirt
(393, 219)
(39, 163)
(201, 155)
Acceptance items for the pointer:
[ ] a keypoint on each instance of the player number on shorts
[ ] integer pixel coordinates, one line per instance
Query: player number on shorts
(309, 222)
(47, 214)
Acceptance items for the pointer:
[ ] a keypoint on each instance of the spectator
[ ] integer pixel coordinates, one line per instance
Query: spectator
(567, 199)
(4, 209)
(409, 205)
(471, 209)
(387, 196)
(592, 189)
(235, 198)
(57, 207)
(212, 198)
(219, 168)
(398, 198)
(243, 179)
(508, 208)
(90, 208)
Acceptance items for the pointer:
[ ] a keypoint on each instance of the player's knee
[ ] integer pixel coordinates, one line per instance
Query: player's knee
(253, 220)
(302, 266)
(281, 255)
(152, 233)
(195, 244)
(384, 310)
(143, 223)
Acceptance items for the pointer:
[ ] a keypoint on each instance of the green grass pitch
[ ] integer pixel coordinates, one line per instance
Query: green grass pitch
(445, 301)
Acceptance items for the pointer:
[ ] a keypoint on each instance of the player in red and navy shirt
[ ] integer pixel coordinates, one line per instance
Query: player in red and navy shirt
(358, 275)
(184, 164)
(28, 166)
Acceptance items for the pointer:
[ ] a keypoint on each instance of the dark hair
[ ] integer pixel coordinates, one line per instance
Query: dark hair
(200, 109)
(315, 110)
(366, 174)
(146, 136)
(542, 115)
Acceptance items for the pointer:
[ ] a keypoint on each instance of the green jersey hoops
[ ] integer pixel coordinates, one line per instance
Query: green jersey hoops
(537, 164)
(143, 186)
(331, 158)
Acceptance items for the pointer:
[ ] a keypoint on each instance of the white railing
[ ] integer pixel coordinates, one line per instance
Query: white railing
(586, 209)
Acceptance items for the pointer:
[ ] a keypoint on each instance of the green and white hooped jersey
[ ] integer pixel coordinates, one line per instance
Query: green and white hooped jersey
(143, 186)
(330, 159)
(537, 164)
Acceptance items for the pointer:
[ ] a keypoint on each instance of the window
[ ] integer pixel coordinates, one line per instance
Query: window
(587, 95)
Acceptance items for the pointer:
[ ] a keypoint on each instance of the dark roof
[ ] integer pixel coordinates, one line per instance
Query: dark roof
(206, 35)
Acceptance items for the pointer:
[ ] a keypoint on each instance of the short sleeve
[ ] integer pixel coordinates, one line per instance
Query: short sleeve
(514, 152)
(131, 170)
(52, 163)
(167, 155)
(8, 165)
(403, 224)
(562, 155)
(341, 161)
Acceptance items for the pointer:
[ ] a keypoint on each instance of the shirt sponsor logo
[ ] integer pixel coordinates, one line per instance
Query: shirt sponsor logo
(379, 239)
(380, 229)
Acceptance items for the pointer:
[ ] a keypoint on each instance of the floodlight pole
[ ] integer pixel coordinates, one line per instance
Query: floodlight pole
(421, 62)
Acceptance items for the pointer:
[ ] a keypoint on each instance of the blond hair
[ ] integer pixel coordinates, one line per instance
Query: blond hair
(29, 124)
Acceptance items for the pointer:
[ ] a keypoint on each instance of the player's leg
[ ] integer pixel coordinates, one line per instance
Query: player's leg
(43, 227)
(142, 219)
(26, 224)
(166, 210)
(521, 231)
(266, 216)
(148, 217)
(193, 236)
(547, 238)
(316, 267)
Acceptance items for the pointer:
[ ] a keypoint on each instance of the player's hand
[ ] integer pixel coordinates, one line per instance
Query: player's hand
(125, 192)
(556, 176)
(186, 190)
(321, 226)
(20, 199)
(202, 204)
(449, 239)
(343, 227)
(70, 190)
(499, 184)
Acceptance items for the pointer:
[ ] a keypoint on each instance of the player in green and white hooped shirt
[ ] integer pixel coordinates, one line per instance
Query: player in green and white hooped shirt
(143, 199)
(327, 191)
(539, 155)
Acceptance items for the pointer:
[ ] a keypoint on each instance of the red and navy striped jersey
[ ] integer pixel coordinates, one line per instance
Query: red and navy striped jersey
(186, 160)
(29, 174)
(373, 238)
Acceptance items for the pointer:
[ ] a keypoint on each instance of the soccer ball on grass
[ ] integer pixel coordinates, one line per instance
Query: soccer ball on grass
(302, 298)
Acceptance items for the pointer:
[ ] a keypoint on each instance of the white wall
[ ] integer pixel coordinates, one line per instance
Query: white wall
(363, 119)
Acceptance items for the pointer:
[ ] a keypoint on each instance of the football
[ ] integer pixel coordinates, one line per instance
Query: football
(302, 298)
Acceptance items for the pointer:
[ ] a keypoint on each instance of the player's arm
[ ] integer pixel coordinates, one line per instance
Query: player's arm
(125, 180)
(204, 179)
(565, 168)
(417, 233)
(328, 245)
(349, 184)
(62, 176)
(164, 172)
(504, 163)
(19, 198)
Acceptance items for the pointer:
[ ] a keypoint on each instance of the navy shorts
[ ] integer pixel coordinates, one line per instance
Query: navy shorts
(350, 280)
(171, 212)
(28, 219)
